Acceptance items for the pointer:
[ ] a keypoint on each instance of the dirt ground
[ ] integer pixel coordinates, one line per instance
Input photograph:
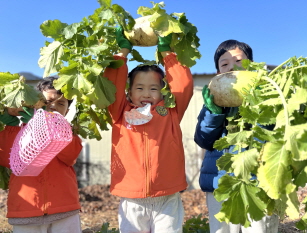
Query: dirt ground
(99, 206)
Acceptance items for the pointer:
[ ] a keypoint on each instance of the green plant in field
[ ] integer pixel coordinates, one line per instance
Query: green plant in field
(196, 225)
(105, 229)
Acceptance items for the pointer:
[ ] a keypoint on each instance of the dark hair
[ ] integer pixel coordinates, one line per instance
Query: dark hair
(47, 84)
(230, 45)
(145, 68)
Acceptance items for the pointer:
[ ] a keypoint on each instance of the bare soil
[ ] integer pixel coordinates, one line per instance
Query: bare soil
(99, 206)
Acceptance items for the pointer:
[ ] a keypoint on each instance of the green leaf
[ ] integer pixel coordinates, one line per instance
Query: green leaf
(165, 24)
(71, 30)
(115, 64)
(186, 52)
(2, 126)
(296, 138)
(106, 14)
(169, 98)
(23, 95)
(103, 93)
(221, 144)
(239, 138)
(50, 57)
(196, 224)
(73, 81)
(6, 78)
(297, 98)
(251, 116)
(293, 205)
(136, 56)
(264, 134)
(95, 50)
(302, 224)
(238, 197)
(92, 67)
(52, 28)
(4, 177)
(273, 174)
(157, 8)
(244, 163)
(225, 162)
(122, 17)
(267, 117)
(301, 177)
(105, 3)
(271, 102)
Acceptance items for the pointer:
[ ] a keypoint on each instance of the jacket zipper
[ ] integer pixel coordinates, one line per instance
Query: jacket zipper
(147, 169)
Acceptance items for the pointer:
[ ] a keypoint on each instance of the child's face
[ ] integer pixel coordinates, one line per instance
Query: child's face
(56, 102)
(231, 58)
(146, 89)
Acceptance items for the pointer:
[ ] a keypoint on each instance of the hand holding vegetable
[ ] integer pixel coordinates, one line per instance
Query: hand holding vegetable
(164, 43)
(8, 119)
(208, 100)
(122, 41)
(26, 114)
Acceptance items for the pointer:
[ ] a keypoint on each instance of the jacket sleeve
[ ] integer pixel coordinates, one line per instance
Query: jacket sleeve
(71, 152)
(180, 81)
(119, 78)
(209, 128)
(7, 137)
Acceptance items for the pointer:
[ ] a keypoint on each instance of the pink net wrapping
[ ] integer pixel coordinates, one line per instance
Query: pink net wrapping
(45, 135)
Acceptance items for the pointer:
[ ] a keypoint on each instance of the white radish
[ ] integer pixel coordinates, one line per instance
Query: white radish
(142, 34)
(227, 88)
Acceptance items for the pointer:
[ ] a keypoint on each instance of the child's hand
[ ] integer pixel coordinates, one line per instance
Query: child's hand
(208, 100)
(26, 114)
(122, 41)
(164, 43)
(8, 119)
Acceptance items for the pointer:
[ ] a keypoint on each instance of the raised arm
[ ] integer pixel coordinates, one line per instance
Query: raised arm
(119, 76)
(179, 77)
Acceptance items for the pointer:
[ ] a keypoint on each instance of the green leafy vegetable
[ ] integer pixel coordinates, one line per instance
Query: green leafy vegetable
(80, 53)
(196, 224)
(277, 99)
(14, 92)
(169, 98)
(4, 177)
(185, 42)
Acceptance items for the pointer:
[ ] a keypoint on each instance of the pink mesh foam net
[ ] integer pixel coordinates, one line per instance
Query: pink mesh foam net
(37, 143)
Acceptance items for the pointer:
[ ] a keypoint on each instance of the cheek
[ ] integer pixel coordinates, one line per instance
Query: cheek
(158, 96)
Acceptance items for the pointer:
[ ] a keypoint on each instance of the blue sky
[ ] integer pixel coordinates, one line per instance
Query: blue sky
(275, 29)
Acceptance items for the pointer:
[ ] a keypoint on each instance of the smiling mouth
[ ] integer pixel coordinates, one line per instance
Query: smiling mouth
(145, 103)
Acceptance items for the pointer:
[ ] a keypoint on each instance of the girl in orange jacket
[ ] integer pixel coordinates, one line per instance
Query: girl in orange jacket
(48, 202)
(147, 162)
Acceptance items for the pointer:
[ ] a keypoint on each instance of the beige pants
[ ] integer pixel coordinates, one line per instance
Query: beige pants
(70, 224)
(151, 215)
(268, 224)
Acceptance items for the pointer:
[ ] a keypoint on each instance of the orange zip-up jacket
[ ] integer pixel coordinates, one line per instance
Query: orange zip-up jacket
(148, 160)
(54, 190)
